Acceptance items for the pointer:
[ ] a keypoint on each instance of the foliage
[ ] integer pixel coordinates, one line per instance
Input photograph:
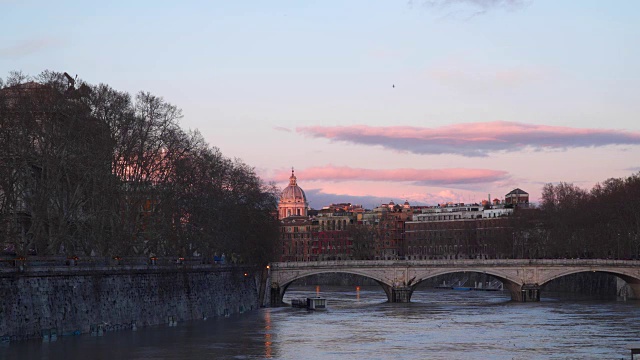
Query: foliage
(575, 223)
(86, 169)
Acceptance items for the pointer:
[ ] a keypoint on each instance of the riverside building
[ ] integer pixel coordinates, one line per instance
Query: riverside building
(464, 231)
(394, 231)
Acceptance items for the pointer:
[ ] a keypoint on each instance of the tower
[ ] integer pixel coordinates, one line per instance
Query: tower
(293, 201)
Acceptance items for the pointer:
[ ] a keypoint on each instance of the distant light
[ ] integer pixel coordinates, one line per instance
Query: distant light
(267, 266)
(245, 274)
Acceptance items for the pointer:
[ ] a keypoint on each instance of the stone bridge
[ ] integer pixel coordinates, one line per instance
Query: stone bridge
(399, 278)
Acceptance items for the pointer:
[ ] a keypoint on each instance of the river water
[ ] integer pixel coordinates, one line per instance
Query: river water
(359, 324)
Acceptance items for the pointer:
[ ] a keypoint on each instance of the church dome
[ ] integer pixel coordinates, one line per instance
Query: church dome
(293, 193)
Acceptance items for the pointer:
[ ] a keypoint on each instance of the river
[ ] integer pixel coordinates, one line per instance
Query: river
(359, 324)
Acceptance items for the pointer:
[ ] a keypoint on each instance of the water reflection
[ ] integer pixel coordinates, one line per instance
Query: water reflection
(359, 323)
(267, 335)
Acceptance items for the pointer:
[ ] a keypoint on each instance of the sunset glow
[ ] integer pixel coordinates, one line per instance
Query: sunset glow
(427, 101)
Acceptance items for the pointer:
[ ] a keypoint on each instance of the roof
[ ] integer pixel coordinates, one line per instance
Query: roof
(296, 220)
(293, 193)
(517, 191)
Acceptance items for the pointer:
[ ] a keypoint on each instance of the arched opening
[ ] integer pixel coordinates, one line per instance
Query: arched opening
(483, 281)
(592, 284)
(342, 286)
(463, 281)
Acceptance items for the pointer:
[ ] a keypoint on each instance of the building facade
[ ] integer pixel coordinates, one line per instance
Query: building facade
(396, 231)
(517, 197)
(297, 239)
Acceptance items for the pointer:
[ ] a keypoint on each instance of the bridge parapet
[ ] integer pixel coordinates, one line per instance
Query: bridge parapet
(458, 262)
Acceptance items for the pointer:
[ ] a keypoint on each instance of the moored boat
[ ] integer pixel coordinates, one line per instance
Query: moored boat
(317, 303)
(310, 303)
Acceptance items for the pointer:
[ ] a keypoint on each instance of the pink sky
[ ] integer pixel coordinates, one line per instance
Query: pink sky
(370, 101)
(514, 155)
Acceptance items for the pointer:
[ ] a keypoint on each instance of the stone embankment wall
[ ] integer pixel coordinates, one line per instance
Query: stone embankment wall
(75, 300)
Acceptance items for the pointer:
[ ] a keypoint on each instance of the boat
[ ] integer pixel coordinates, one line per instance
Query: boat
(494, 285)
(310, 303)
(299, 303)
(317, 303)
(461, 288)
(444, 285)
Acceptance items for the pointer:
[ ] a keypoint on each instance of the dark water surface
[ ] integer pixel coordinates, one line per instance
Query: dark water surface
(438, 324)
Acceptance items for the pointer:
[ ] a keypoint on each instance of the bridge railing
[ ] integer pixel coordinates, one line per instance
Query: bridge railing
(456, 263)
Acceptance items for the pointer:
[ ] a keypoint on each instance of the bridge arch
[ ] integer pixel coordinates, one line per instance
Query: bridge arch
(282, 286)
(632, 278)
(513, 284)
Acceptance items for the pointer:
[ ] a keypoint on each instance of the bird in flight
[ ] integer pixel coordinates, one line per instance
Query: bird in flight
(393, 86)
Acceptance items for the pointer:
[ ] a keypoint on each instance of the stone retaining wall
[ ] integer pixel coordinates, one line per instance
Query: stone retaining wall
(76, 300)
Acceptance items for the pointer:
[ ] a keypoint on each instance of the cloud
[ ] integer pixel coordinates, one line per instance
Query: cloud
(634, 169)
(428, 177)
(318, 198)
(473, 139)
(27, 47)
(281, 128)
(471, 8)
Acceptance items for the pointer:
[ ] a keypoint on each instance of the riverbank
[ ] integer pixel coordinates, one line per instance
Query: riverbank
(72, 300)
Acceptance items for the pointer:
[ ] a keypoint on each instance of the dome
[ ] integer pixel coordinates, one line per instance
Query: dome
(293, 193)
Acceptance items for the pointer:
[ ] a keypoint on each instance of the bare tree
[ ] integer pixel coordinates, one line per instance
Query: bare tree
(89, 170)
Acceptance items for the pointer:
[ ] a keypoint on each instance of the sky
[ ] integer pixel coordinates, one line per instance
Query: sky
(369, 101)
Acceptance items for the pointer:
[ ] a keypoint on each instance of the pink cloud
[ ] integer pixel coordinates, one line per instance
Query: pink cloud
(473, 139)
(321, 197)
(436, 177)
(372, 197)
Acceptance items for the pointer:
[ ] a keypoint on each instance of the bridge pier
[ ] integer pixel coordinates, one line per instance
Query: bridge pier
(524, 293)
(635, 291)
(530, 293)
(401, 294)
(397, 294)
(276, 295)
